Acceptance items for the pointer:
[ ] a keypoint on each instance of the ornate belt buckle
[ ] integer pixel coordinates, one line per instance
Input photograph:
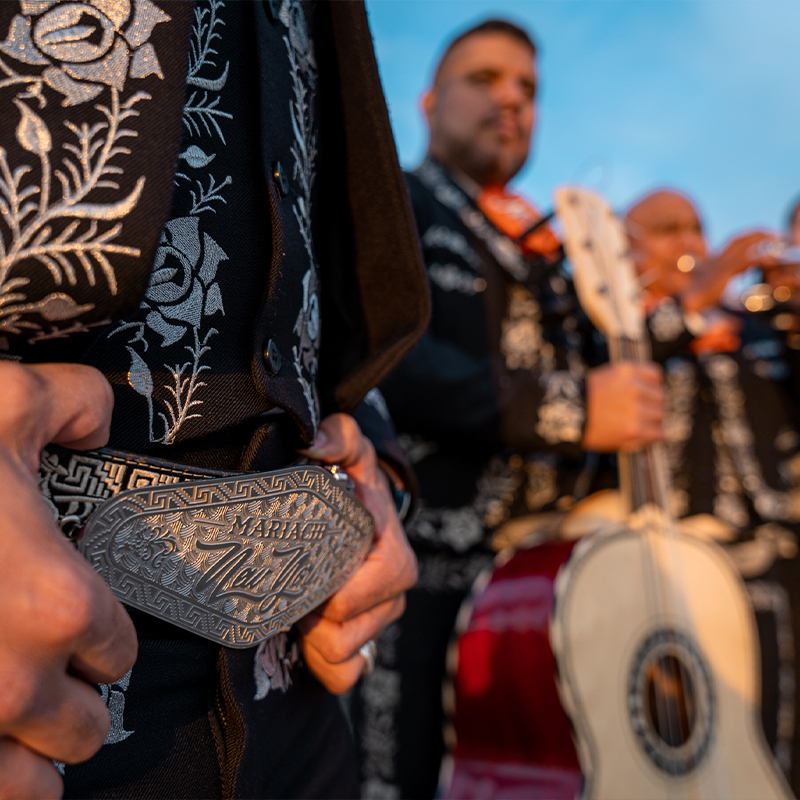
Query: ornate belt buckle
(233, 559)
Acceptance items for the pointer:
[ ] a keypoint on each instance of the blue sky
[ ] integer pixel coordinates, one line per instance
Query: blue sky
(703, 95)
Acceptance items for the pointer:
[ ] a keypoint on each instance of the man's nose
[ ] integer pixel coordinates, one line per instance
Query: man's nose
(509, 94)
(693, 242)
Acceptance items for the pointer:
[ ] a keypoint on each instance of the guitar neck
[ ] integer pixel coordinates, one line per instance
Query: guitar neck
(643, 474)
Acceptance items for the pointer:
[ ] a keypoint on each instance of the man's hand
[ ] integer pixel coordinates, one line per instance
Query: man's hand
(624, 407)
(713, 273)
(60, 627)
(331, 636)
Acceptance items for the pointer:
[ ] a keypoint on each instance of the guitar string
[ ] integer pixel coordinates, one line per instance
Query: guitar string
(657, 469)
(649, 483)
(625, 349)
(651, 574)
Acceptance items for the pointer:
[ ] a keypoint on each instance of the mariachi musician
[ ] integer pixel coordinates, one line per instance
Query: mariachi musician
(731, 424)
(189, 215)
(498, 404)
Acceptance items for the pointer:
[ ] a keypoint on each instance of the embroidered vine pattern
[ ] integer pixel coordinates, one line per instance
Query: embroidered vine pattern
(302, 68)
(561, 412)
(183, 291)
(521, 337)
(500, 246)
(69, 232)
(736, 437)
(681, 389)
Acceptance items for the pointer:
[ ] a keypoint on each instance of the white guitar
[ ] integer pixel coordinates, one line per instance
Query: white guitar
(654, 638)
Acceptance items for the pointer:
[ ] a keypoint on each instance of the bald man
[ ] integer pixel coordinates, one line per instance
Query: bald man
(498, 405)
(670, 251)
(793, 227)
(732, 428)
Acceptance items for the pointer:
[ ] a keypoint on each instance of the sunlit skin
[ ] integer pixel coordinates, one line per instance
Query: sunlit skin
(794, 230)
(481, 108)
(663, 227)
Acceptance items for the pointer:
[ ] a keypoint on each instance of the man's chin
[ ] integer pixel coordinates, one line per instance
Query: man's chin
(503, 168)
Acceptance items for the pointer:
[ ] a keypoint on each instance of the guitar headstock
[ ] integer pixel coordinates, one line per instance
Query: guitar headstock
(604, 275)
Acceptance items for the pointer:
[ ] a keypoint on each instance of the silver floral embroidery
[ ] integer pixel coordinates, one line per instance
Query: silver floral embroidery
(416, 448)
(561, 412)
(439, 236)
(183, 292)
(113, 695)
(737, 436)
(84, 48)
(381, 695)
(502, 248)
(521, 336)
(666, 321)
(303, 73)
(681, 389)
(375, 398)
(768, 596)
(451, 278)
(440, 572)
(462, 528)
(729, 504)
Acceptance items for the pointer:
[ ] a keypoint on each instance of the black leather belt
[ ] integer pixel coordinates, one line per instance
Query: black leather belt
(233, 558)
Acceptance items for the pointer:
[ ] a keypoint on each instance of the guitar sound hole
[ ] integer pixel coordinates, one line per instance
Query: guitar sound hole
(670, 700)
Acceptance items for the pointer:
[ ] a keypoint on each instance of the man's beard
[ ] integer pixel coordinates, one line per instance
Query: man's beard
(484, 166)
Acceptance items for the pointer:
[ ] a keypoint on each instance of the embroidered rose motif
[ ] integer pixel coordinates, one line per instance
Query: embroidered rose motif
(182, 286)
(84, 45)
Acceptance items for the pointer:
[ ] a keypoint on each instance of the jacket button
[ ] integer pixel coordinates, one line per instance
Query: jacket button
(280, 178)
(273, 357)
(273, 8)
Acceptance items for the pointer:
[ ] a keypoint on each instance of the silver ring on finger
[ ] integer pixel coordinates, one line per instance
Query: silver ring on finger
(369, 653)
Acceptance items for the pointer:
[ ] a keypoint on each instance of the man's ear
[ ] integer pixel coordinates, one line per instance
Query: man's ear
(428, 103)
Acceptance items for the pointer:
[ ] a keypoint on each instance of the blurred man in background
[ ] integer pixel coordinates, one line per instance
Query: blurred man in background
(794, 224)
(731, 423)
(499, 402)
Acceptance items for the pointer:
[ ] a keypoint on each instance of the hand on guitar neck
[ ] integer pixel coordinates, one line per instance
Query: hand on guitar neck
(624, 407)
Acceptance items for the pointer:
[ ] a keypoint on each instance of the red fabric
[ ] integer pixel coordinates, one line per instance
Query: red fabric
(508, 713)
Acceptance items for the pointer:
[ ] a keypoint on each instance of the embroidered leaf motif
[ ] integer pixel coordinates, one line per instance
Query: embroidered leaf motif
(59, 306)
(196, 158)
(162, 275)
(32, 133)
(213, 255)
(139, 376)
(213, 300)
